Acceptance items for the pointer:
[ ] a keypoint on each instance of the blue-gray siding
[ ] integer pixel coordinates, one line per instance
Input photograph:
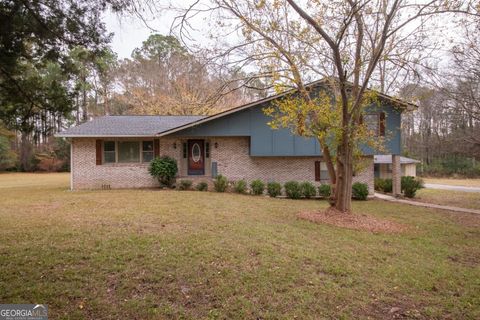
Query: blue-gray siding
(265, 141)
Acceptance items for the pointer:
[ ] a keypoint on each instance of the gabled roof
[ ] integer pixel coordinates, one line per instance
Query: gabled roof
(397, 102)
(387, 158)
(127, 126)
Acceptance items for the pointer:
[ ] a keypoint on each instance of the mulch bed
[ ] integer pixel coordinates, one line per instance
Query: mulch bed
(354, 221)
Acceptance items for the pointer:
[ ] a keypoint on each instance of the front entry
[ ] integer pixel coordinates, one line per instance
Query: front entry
(196, 157)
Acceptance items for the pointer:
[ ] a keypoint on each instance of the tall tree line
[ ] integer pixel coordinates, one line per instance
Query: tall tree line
(57, 70)
(445, 130)
(36, 40)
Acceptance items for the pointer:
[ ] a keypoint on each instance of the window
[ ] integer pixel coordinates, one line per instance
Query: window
(372, 123)
(108, 152)
(147, 151)
(324, 176)
(207, 149)
(128, 151)
(196, 154)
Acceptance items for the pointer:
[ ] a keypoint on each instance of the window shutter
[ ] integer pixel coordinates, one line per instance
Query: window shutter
(156, 148)
(98, 152)
(317, 170)
(382, 124)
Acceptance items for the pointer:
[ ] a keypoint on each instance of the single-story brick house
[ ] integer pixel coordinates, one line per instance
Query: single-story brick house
(114, 151)
(383, 166)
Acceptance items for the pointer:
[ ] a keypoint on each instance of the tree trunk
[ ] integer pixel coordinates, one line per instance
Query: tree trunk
(84, 98)
(106, 102)
(343, 189)
(59, 123)
(25, 153)
(77, 115)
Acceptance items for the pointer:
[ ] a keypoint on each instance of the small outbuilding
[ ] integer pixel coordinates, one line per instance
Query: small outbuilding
(383, 166)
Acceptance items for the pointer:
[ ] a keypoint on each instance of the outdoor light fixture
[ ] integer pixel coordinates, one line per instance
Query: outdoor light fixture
(216, 145)
(174, 145)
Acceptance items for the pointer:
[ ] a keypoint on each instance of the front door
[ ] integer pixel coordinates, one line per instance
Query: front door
(196, 157)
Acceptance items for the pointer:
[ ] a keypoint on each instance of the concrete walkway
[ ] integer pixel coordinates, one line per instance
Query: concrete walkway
(450, 187)
(423, 204)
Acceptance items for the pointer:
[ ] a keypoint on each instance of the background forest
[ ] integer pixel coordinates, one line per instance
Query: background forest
(57, 70)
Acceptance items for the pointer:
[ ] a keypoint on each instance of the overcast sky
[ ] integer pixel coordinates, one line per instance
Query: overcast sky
(129, 33)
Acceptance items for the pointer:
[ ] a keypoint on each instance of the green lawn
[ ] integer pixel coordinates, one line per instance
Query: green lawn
(450, 198)
(148, 254)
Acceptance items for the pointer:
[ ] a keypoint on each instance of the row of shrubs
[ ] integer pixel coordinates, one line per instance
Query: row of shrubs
(293, 189)
(409, 185)
(165, 170)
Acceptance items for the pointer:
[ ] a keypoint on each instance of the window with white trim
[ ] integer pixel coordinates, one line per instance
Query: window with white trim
(128, 151)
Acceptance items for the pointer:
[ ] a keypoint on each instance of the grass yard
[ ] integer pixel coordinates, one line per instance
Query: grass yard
(148, 254)
(450, 198)
(454, 182)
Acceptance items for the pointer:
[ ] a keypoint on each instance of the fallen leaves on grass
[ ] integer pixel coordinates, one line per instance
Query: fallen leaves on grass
(469, 220)
(399, 307)
(352, 221)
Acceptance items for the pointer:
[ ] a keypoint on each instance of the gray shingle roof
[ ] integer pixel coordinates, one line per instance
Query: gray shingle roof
(126, 126)
(387, 158)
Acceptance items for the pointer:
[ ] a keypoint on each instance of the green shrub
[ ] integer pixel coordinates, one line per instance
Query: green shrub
(359, 191)
(325, 190)
(292, 190)
(184, 184)
(257, 186)
(379, 184)
(240, 186)
(274, 189)
(220, 184)
(388, 185)
(202, 186)
(384, 185)
(308, 189)
(410, 185)
(164, 169)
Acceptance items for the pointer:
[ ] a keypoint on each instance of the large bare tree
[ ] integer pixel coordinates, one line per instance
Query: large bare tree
(289, 42)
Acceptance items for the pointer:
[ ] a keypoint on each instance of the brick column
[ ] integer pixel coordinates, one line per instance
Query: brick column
(396, 175)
